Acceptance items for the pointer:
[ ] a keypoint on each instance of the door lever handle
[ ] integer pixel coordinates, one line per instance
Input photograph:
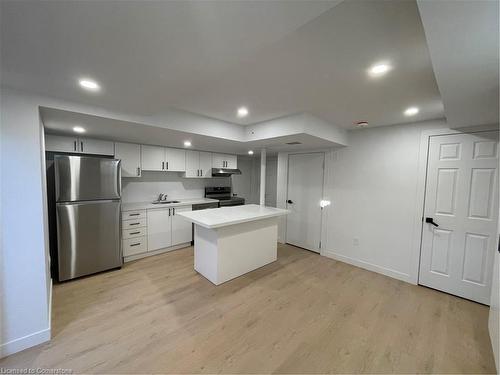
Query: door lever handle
(289, 201)
(430, 220)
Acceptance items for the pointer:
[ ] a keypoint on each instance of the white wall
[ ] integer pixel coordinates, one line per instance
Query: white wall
(247, 185)
(24, 278)
(374, 188)
(150, 184)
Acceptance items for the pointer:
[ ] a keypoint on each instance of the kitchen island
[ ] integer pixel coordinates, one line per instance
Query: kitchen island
(231, 241)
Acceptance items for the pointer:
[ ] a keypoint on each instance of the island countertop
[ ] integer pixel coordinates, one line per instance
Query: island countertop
(224, 216)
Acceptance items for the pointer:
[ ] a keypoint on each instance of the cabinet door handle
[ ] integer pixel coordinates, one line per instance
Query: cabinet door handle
(162, 165)
(169, 212)
(133, 214)
(138, 171)
(135, 232)
(135, 244)
(74, 145)
(201, 172)
(173, 210)
(81, 146)
(134, 223)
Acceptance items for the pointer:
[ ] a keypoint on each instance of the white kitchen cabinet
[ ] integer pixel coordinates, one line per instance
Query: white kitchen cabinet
(224, 161)
(96, 146)
(152, 158)
(159, 223)
(134, 246)
(181, 228)
(192, 164)
(157, 158)
(58, 143)
(175, 160)
(130, 155)
(205, 164)
(231, 161)
(198, 164)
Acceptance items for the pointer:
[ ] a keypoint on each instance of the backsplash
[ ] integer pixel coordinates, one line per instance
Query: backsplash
(147, 187)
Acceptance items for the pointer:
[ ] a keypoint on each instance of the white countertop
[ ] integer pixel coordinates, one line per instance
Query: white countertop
(182, 202)
(224, 216)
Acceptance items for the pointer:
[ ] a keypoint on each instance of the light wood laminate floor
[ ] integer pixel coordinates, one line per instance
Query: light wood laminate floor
(302, 314)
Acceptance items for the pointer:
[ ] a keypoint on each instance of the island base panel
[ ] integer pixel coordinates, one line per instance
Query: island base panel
(221, 254)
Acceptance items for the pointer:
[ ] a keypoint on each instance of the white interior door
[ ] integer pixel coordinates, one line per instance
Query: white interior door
(462, 199)
(305, 191)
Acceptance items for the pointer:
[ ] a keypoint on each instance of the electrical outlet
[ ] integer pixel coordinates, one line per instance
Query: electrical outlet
(355, 241)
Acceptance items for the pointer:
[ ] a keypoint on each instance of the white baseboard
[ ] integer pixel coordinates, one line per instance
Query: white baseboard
(368, 266)
(25, 342)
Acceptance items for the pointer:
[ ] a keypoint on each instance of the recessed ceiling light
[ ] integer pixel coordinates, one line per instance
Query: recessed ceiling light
(378, 70)
(78, 129)
(411, 111)
(187, 143)
(250, 152)
(89, 84)
(242, 112)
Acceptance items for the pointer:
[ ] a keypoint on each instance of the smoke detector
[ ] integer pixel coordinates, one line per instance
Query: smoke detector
(362, 124)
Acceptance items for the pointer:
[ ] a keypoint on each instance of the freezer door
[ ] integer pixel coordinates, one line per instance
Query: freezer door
(88, 237)
(81, 178)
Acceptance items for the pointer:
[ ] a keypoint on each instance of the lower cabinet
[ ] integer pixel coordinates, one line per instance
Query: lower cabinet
(166, 229)
(145, 231)
(134, 233)
(159, 228)
(181, 229)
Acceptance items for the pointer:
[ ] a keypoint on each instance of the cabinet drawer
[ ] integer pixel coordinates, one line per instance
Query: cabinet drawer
(132, 233)
(129, 215)
(135, 223)
(134, 246)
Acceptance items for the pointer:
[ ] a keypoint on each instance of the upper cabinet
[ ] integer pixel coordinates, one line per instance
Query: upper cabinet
(156, 158)
(58, 143)
(130, 155)
(224, 161)
(175, 159)
(96, 146)
(152, 158)
(137, 158)
(198, 164)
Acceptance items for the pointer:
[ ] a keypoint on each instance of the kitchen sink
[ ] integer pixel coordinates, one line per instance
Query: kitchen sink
(165, 202)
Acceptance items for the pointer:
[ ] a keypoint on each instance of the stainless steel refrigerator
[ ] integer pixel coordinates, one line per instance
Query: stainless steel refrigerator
(88, 200)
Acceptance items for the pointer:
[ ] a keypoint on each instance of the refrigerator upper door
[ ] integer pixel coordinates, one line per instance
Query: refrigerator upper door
(88, 238)
(80, 178)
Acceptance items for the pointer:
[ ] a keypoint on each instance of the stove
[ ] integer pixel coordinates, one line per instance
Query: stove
(223, 194)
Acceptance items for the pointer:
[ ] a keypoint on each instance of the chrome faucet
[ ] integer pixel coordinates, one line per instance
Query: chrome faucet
(162, 197)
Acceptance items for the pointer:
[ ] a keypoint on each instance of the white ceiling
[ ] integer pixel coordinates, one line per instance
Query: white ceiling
(463, 39)
(209, 57)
